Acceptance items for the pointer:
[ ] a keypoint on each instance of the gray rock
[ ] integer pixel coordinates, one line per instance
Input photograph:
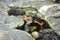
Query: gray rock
(11, 22)
(14, 20)
(48, 9)
(54, 20)
(14, 35)
(49, 34)
(19, 35)
(2, 18)
(4, 8)
(4, 36)
(52, 16)
(3, 12)
(34, 3)
(13, 2)
(40, 3)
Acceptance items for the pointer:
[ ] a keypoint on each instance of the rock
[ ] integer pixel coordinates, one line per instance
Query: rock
(19, 35)
(48, 9)
(4, 8)
(16, 12)
(13, 2)
(14, 20)
(15, 35)
(2, 18)
(4, 36)
(41, 3)
(52, 16)
(11, 22)
(49, 34)
(29, 3)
